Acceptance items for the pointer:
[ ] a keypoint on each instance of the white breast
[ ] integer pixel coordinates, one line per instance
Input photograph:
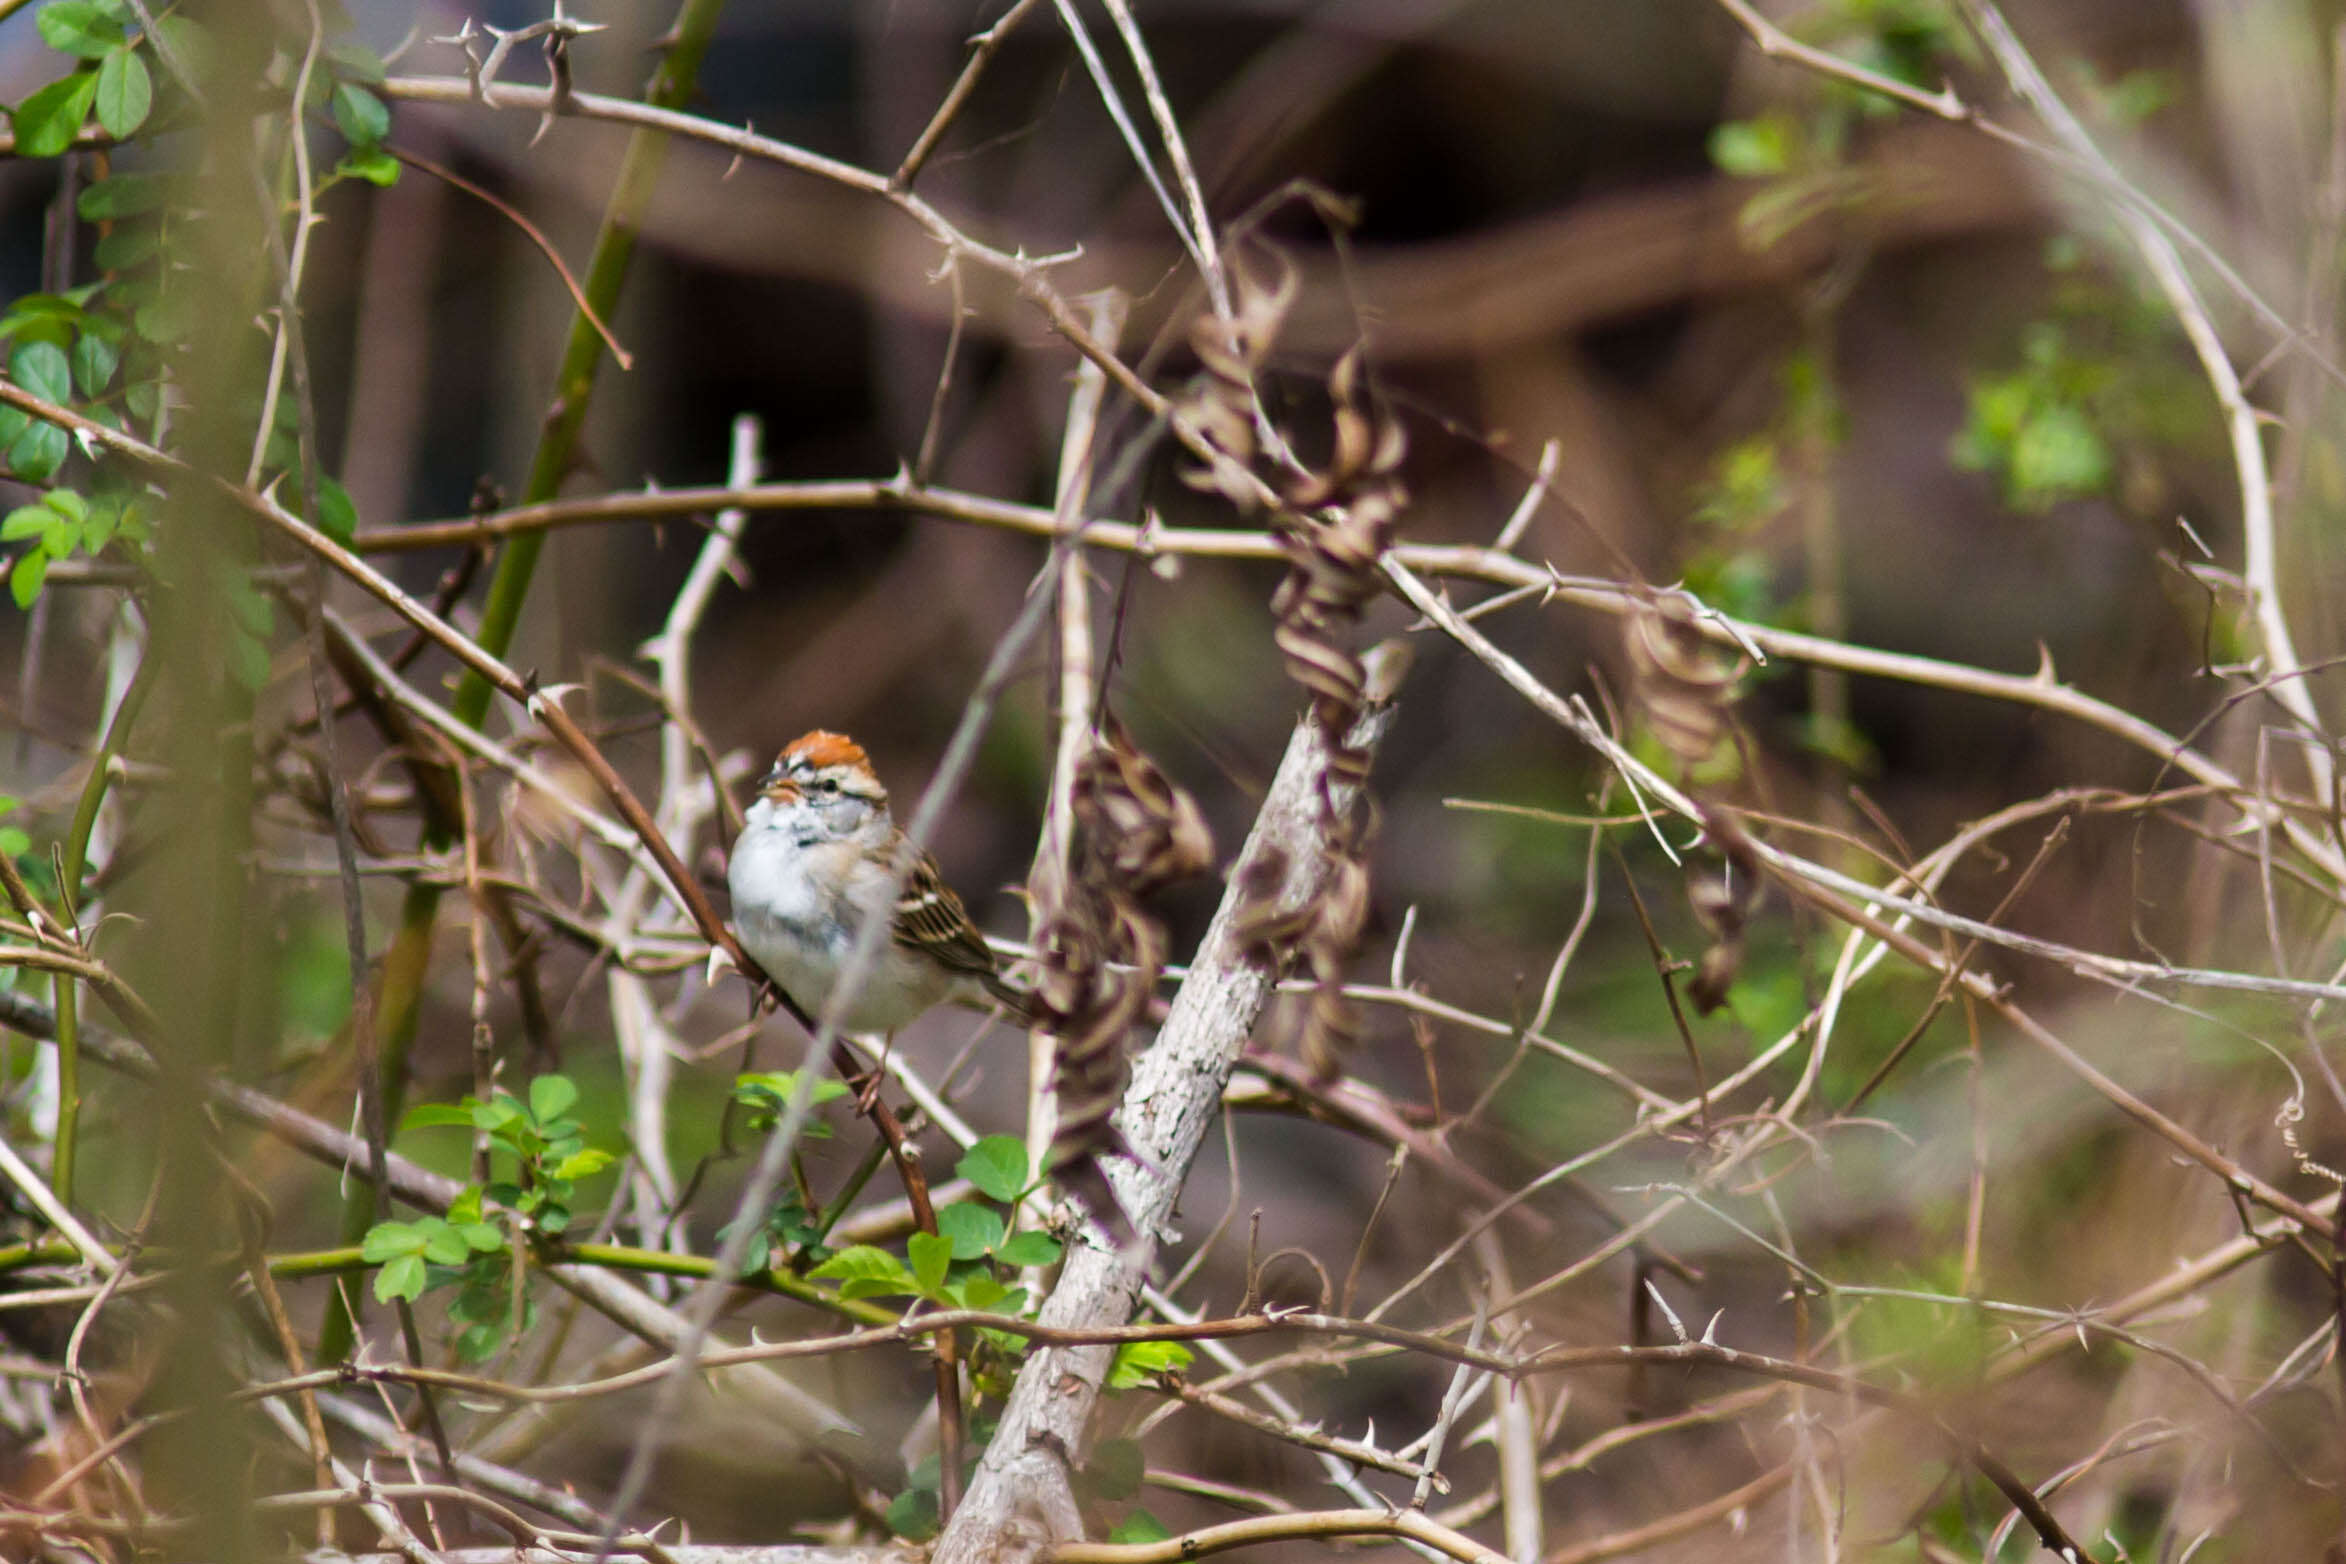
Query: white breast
(790, 912)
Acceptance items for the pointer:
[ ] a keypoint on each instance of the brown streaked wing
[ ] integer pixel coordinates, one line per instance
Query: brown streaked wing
(929, 917)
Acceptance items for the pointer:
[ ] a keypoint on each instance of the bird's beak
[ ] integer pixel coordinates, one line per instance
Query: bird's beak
(777, 785)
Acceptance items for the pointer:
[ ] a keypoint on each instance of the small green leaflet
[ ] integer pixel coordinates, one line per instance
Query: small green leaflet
(997, 1166)
(125, 93)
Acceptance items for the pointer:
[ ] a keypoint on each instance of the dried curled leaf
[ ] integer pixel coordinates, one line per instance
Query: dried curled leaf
(1368, 447)
(1723, 900)
(1335, 526)
(1136, 832)
(1151, 832)
(1331, 1024)
(1345, 518)
(1220, 406)
(1681, 683)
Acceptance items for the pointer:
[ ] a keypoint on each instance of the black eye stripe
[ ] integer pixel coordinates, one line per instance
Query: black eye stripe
(813, 783)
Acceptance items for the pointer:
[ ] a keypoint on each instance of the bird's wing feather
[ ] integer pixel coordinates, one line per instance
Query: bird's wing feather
(929, 917)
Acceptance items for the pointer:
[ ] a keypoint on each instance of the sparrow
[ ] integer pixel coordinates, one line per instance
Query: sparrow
(816, 858)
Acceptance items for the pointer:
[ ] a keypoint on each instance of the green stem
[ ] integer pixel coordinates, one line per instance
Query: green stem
(318, 1262)
(314, 1262)
(408, 959)
(76, 858)
(620, 1257)
(48, 1251)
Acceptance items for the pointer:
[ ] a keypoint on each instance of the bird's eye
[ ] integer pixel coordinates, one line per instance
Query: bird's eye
(826, 785)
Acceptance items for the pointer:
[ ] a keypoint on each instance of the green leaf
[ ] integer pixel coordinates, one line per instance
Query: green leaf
(931, 1256)
(372, 164)
(979, 1292)
(360, 115)
(122, 195)
(1139, 1526)
(166, 317)
(443, 1245)
(1137, 1362)
(402, 1278)
(80, 27)
(1754, 148)
(582, 1164)
(498, 1114)
(128, 245)
(26, 521)
(482, 1237)
(864, 1271)
(551, 1096)
(250, 609)
(41, 368)
(997, 1166)
(99, 531)
(1746, 486)
(913, 1514)
(874, 1287)
(94, 363)
(38, 328)
(783, 1085)
(47, 122)
(125, 93)
(973, 1229)
(486, 1296)
(61, 308)
(1029, 1248)
(2058, 455)
(388, 1241)
(39, 452)
(435, 1115)
(337, 512)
